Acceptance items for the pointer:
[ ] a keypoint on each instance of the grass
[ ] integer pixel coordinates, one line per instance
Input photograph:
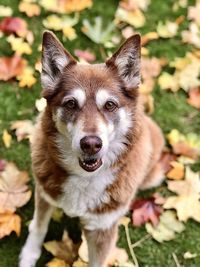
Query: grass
(171, 111)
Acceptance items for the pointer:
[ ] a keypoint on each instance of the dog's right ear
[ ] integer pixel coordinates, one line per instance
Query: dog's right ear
(54, 59)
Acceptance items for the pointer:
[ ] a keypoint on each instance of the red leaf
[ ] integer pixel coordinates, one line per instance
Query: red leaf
(145, 210)
(14, 25)
(2, 164)
(86, 55)
(11, 67)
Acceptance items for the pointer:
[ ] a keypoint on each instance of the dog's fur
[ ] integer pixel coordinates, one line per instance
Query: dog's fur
(129, 156)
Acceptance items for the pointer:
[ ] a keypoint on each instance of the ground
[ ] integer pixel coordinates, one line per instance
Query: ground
(171, 111)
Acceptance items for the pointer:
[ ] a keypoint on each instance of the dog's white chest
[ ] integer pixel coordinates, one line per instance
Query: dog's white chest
(81, 194)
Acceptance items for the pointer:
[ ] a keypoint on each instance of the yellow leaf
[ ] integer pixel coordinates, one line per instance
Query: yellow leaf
(7, 138)
(76, 5)
(57, 263)
(70, 33)
(187, 201)
(168, 81)
(124, 221)
(167, 30)
(177, 172)
(135, 18)
(19, 46)
(79, 263)
(14, 191)
(5, 11)
(29, 8)
(9, 222)
(40, 104)
(27, 78)
(57, 215)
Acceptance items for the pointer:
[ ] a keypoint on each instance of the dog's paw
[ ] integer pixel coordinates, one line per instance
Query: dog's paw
(29, 257)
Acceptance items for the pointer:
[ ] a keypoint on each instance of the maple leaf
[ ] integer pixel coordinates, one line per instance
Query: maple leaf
(134, 17)
(14, 25)
(64, 250)
(194, 13)
(9, 222)
(192, 36)
(145, 210)
(23, 129)
(168, 81)
(187, 201)
(177, 172)
(76, 5)
(7, 138)
(26, 78)
(194, 97)
(97, 32)
(19, 46)
(11, 67)
(30, 9)
(14, 192)
(167, 227)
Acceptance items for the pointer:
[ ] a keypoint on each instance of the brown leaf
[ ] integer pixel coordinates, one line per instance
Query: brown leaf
(14, 192)
(194, 97)
(166, 158)
(9, 222)
(10, 67)
(65, 250)
(145, 210)
(14, 25)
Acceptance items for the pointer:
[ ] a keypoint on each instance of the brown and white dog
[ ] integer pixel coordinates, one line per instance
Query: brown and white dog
(93, 146)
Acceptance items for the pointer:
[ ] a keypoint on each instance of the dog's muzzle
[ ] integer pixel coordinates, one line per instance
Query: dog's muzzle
(90, 146)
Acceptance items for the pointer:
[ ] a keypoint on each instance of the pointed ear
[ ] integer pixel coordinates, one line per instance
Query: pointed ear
(127, 61)
(54, 59)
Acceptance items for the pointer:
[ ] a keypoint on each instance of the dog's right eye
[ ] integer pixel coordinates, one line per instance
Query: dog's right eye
(71, 104)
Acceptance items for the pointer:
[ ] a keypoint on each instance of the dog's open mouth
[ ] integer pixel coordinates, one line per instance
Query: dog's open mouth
(90, 165)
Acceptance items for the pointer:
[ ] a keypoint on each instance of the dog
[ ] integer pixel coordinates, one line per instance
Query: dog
(93, 146)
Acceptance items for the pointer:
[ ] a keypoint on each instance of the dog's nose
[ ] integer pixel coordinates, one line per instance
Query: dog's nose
(91, 144)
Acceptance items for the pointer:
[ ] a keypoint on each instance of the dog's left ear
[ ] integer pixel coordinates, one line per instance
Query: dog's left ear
(127, 61)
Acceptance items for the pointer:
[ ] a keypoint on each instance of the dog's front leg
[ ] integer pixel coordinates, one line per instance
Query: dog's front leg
(100, 245)
(37, 232)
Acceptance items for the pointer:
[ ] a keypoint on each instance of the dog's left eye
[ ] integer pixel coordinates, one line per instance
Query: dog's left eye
(71, 104)
(110, 106)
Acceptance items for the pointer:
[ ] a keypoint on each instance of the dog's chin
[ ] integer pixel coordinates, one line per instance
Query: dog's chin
(90, 164)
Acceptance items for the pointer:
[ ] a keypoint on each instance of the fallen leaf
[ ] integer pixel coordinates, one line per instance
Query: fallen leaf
(57, 263)
(167, 30)
(7, 138)
(19, 46)
(23, 129)
(10, 67)
(134, 17)
(85, 54)
(167, 227)
(97, 32)
(145, 210)
(14, 192)
(135, 4)
(192, 36)
(9, 222)
(2, 164)
(186, 145)
(166, 158)
(124, 221)
(65, 250)
(168, 81)
(194, 13)
(83, 249)
(188, 192)
(149, 37)
(14, 25)
(5, 11)
(194, 97)
(26, 78)
(30, 9)
(188, 255)
(41, 104)
(118, 257)
(177, 172)
(57, 215)
(76, 5)
(79, 263)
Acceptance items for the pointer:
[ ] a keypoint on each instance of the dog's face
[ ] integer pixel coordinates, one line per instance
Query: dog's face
(92, 105)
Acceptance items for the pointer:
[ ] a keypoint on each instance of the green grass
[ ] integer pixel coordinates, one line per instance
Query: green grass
(171, 111)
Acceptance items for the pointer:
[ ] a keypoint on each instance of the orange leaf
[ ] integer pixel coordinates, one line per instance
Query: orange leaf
(11, 67)
(194, 97)
(29, 9)
(9, 222)
(177, 172)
